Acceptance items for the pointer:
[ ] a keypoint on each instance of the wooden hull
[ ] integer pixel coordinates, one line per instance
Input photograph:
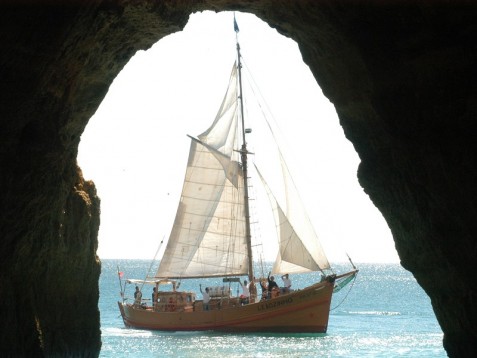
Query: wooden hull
(302, 311)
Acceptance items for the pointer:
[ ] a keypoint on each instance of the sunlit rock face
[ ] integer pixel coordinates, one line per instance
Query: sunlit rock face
(402, 79)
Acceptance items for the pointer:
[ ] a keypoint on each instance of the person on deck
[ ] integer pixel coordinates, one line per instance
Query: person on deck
(273, 288)
(253, 290)
(205, 298)
(264, 287)
(154, 297)
(245, 297)
(137, 296)
(286, 283)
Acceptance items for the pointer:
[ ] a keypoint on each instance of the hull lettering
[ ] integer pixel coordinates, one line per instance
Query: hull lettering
(275, 304)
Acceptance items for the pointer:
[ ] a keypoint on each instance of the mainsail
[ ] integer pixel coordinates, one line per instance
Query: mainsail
(208, 234)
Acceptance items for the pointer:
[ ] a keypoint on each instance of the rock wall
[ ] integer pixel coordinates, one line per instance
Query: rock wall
(401, 76)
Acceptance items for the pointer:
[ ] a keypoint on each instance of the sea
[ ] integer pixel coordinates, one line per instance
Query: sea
(383, 313)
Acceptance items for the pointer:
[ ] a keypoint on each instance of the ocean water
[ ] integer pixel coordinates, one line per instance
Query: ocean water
(384, 313)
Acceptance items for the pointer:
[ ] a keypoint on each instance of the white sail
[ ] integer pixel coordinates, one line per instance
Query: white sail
(208, 235)
(299, 247)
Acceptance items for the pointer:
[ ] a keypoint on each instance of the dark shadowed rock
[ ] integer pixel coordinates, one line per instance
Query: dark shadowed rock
(401, 76)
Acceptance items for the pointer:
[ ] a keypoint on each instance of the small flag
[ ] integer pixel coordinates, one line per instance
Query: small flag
(121, 274)
(236, 28)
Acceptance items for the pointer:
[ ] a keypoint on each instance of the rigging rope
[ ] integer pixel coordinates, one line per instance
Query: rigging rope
(152, 262)
(346, 296)
(280, 141)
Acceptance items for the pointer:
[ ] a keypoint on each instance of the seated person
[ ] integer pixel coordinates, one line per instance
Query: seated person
(245, 296)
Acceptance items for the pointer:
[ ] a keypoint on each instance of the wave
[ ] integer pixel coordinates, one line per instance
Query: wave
(376, 313)
(124, 332)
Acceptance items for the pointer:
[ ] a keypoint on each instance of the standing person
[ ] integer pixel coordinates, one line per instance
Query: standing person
(273, 288)
(205, 298)
(253, 290)
(264, 287)
(245, 297)
(137, 296)
(286, 283)
(154, 297)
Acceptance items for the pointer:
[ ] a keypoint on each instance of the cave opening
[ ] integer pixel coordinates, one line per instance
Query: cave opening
(135, 146)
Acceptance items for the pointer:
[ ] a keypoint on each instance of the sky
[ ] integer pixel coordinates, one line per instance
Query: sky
(135, 147)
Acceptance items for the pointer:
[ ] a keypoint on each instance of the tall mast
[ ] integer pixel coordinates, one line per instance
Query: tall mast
(243, 153)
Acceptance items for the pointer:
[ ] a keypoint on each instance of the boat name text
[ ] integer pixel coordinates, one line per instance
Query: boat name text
(268, 305)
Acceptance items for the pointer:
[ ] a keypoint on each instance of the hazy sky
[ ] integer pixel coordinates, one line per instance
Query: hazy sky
(135, 147)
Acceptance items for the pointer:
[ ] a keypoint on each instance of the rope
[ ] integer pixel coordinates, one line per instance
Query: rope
(346, 296)
(152, 262)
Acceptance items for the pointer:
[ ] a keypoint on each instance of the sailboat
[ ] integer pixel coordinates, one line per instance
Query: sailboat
(211, 239)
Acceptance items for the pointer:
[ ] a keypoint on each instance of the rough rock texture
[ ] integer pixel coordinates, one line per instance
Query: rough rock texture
(402, 78)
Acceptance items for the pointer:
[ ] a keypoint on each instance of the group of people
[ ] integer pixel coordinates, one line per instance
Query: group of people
(270, 289)
(244, 297)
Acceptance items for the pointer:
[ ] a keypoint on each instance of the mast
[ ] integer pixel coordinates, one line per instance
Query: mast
(243, 154)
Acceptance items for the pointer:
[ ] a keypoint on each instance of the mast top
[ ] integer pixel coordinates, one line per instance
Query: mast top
(236, 28)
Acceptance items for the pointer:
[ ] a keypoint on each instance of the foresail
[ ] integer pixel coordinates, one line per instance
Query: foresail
(299, 247)
(208, 235)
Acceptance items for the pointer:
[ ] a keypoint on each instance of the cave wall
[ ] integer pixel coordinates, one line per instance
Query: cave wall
(400, 74)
